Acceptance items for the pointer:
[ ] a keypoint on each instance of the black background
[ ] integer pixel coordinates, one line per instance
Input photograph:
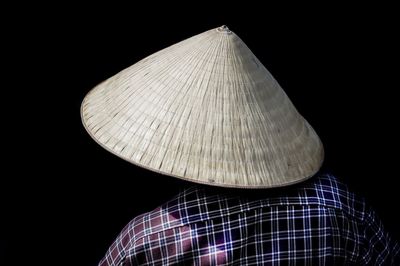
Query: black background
(65, 199)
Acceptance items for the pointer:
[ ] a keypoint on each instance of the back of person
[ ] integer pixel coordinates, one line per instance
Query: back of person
(317, 222)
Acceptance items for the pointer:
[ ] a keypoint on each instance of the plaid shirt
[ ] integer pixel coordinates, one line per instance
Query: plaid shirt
(318, 222)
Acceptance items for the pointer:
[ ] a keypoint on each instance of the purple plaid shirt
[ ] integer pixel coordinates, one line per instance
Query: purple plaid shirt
(318, 222)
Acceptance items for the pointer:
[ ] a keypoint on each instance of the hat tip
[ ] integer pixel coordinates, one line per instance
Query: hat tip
(224, 29)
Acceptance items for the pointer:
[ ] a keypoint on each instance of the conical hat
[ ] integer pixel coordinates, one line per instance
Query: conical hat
(204, 110)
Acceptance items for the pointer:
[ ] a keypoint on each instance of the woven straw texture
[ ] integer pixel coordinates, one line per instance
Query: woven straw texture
(204, 110)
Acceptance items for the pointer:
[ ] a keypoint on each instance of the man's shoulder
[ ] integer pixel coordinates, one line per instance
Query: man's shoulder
(323, 190)
(199, 203)
(329, 191)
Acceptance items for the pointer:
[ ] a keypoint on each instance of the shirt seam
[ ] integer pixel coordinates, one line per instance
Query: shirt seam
(352, 217)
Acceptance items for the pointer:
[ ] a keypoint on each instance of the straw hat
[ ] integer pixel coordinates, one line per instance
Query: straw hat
(204, 110)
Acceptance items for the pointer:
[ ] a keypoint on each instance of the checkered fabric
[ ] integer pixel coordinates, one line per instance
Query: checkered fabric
(318, 222)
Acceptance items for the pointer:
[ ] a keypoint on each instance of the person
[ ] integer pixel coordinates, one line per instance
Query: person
(318, 222)
(207, 111)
